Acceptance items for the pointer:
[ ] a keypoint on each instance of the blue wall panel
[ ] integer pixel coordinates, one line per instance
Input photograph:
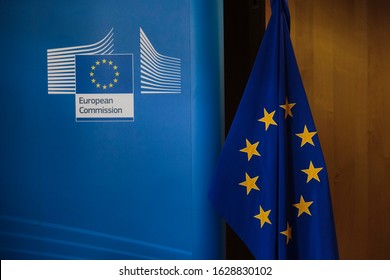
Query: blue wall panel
(102, 185)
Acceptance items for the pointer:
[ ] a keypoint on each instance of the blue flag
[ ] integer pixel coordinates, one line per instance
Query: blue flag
(271, 183)
(104, 73)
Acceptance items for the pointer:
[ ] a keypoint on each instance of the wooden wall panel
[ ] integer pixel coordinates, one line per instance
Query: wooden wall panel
(379, 127)
(350, 177)
(343, 52)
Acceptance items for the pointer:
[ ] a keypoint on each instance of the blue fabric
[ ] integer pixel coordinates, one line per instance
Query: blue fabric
(271, 183)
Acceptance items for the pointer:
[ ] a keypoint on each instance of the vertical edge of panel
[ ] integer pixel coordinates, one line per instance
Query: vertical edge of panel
(207, 86)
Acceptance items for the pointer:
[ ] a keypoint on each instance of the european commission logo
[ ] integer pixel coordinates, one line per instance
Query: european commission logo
(103, 82)
(104, 87)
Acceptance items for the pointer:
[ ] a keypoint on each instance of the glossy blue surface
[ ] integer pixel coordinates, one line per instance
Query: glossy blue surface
(110, 189)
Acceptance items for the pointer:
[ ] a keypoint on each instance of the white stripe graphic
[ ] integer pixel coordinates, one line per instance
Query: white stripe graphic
(61, 68)
(160, 74)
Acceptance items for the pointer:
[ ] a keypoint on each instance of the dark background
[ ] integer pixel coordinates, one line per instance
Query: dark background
(244, 23)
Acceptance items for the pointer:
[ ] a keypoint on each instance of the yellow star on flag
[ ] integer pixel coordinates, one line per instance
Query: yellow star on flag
(306, 136)
(287, 107)
(250, 183)
(263, 217)
(312, 172)
(303, 206)
(250, 149)
(287, 233)
(268, 119)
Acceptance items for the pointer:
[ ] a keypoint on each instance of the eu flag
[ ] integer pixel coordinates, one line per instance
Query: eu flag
(271, 183)
(104, 73)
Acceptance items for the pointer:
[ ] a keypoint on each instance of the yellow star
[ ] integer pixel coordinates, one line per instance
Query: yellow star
(115, 67)
(263, 217)
(115, 80)
(110, 62)
(93, 81)
(306, 136)
(287, 233)
(117, 73)
(110, 85)
(287, 107)
(249, 183)
(312, 172)
(98, 85)
(98, 62)
(93, 67)
(104, 61)
(268, 119)
(91, 74)
(303, 206)
(250, 149)
(104, 87)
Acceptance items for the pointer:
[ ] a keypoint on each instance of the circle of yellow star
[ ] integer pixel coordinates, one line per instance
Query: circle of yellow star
(250, 149)
(263, 217)
(287, 233)
(312, 172)
(306, 136)
(250, 183)
(268, 119)
(303, 206)
(287, 107)
(99, 64)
